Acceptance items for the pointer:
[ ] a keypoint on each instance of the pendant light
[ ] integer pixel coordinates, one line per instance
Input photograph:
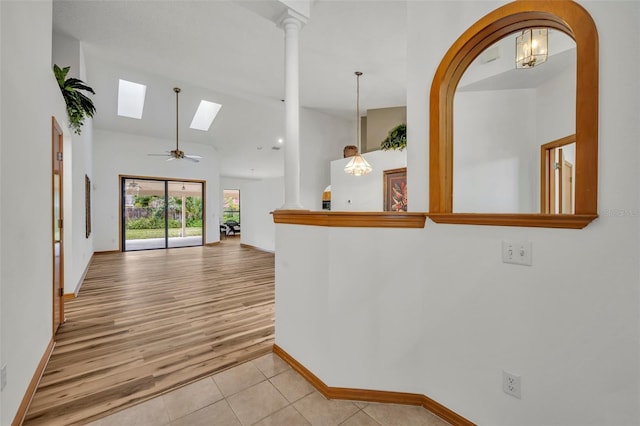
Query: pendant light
(357, 166)
(532, 47)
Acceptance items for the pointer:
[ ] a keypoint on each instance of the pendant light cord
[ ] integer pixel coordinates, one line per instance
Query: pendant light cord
(177, 90)
(358, 121)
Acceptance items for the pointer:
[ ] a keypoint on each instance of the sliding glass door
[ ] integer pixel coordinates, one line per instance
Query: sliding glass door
(185, 214)
(160, 213)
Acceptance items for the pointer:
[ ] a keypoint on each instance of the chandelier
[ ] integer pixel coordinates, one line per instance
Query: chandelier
(357, 166)
(531, 47)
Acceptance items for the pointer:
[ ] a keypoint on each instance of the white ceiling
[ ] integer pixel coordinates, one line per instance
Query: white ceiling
(223, 51)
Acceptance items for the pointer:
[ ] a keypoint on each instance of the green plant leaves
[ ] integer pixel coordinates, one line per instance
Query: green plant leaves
(78, 104)
(397, 138)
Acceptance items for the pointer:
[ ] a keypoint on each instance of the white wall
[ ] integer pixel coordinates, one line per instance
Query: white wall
(66, 53)
(364, 193)
(2, 37)
(258, 200)
(232, 183)
(29, 98)
(78, 150)
(555, 108)
(322, 139)
(123, 154)
(437, 312)
(494, 133)
(81, 246)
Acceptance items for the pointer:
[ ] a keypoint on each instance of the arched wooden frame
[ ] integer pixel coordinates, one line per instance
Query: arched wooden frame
(563, 15)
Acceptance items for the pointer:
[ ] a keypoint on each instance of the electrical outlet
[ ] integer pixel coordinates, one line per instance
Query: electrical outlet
(3, 377)
(511, 384)
(519, 253)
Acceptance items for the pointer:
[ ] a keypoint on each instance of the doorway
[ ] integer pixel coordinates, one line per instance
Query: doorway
(57, 215)
(557, 174)
(161, 213)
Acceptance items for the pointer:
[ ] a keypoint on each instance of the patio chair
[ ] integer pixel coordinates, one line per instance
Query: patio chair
(233, 226)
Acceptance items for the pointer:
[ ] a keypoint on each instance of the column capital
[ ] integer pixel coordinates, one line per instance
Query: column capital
(290, 16)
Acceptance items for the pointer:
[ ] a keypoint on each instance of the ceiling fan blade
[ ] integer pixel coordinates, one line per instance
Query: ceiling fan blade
(159, 155)
(171, 158)
(193, 158)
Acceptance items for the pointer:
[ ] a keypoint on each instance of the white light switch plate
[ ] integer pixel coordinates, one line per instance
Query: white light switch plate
(517, 252)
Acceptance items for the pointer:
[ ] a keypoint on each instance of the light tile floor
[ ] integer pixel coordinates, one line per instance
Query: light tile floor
(265, 391)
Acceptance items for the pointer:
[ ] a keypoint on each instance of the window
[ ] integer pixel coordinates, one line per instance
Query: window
(160, 213)
(231, 205)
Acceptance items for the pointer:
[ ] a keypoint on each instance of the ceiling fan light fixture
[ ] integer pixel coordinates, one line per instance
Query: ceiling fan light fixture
(177, 154)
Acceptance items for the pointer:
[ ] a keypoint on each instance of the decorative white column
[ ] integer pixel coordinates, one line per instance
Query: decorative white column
(292, 23)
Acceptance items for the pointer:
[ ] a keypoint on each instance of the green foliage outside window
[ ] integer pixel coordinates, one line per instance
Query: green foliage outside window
(231, 207)
(152, 209)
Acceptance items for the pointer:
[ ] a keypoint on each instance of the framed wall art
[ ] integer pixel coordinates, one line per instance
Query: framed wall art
(395, 190)
(87, 205)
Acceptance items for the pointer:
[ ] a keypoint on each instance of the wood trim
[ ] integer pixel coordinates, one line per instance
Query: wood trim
(545, 184)
(564, 15)
(57, 147)
(535, 220)
(33, 385)
(213, 244)
(69, 296)
(120, 220)
(372, 395)
(82, 277)
(106, 252)
(351, 219)
(417, 220)
(546, 161)
(249, 246)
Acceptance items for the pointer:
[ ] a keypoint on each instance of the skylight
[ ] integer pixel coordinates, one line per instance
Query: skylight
(205, 115)
(131, 99)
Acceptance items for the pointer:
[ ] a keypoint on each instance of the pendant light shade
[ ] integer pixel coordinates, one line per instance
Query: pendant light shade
(532, 47)
(357, 166)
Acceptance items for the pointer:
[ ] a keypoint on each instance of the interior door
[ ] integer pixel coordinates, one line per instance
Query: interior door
(553, 181)
(58, 226)
(557, 187)
(559, 181)
(567, 188)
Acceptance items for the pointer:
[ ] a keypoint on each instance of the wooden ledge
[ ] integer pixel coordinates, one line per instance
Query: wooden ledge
(570, 221)
(351, 219)
(417, 219)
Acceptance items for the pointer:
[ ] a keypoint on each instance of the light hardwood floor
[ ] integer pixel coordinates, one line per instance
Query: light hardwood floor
(147, 322)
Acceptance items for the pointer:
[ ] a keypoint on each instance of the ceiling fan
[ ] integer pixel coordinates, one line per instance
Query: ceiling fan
(176, 154)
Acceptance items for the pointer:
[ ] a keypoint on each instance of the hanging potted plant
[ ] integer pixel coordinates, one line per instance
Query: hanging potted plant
(78, 104)
(396, 140)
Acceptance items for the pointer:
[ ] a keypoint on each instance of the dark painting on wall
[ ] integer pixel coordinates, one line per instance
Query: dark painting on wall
(395, 190)
(87, 205)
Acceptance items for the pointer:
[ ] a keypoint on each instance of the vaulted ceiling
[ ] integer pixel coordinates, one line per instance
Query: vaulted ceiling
(223, 51)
